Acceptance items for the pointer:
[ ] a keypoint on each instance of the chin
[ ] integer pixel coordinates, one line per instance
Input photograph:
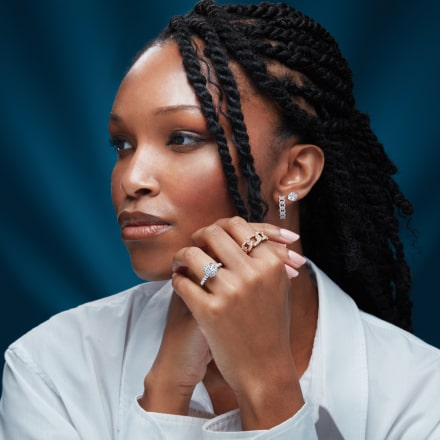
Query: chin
(152, 275)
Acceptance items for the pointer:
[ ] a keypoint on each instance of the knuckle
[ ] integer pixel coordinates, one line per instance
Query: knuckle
(197, 235)
(234, 289)
(178, 283)
(189, 252)
(251, 276)
(273, 260)
(276, 267)
(217, 310)
(214, 230)
(236, 221)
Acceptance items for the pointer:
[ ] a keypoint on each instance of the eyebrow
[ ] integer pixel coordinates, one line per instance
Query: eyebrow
(115, 117)
(163, 110)
(178, 108)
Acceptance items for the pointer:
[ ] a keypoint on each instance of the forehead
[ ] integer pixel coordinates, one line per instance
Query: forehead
(157, 76)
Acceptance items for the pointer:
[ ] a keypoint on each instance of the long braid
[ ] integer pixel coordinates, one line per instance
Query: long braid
(349, 223)
(217, 56)
(198, 81)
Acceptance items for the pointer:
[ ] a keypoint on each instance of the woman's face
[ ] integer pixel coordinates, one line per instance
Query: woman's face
(168, 179)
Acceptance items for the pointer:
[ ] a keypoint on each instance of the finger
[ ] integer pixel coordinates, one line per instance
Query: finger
(249, 237)
(279, 238)
(224, 241)
(292, 260)
(225, 238)
(290, 257)
(194, 296)
(194, 263)
(274, 233)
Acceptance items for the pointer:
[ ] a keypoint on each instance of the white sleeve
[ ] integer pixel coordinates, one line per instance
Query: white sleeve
(228, 426)
(29, 408)
(160, 426)
(32, 409)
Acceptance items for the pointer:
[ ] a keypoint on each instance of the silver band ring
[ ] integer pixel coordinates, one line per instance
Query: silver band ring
(253, 241)
(210, 271)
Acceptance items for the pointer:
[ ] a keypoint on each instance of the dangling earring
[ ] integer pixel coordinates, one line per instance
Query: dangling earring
(292, 197)
(282, 207)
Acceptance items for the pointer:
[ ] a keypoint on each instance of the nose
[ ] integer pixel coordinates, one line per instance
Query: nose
(138, 177)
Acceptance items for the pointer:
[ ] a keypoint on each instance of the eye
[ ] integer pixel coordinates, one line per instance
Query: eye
(121, 145)
(184, 139)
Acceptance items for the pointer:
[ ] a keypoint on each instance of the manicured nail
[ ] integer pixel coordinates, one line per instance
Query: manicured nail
(289, 235)
(296, 259)
(291, 272)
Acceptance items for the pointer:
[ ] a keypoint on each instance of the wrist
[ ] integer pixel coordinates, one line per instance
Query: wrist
(165, 396)
(270, 399)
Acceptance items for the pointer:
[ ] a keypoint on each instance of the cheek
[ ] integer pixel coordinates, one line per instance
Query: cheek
(116, 191)
(205, 190)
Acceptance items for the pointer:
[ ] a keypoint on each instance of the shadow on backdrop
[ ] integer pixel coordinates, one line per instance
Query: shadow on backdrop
(61, 65)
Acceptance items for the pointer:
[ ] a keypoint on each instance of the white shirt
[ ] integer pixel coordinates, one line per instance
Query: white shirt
(78, 376)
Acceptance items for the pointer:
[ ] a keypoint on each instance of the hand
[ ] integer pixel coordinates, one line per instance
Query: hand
(244, 313)
(180, 364)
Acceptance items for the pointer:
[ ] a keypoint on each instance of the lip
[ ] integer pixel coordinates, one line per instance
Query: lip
(136, 225)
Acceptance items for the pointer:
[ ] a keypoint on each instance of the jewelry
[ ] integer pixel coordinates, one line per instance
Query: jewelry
(292, 196)
(210, 271)
(282, 206)
(253, 241)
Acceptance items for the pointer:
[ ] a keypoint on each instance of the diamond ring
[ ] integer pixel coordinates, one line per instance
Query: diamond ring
(210, 271)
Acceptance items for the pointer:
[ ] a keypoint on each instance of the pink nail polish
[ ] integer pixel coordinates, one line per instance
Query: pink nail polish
(291, 272)
(296, 259)
(289, 235)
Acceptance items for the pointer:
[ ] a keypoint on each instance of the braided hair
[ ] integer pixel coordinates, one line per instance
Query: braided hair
(350, 219)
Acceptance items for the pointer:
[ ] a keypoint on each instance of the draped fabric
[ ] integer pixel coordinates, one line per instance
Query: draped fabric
(61, 63)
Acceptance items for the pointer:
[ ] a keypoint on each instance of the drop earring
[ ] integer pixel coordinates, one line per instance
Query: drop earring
(292, 197)
(282, 207)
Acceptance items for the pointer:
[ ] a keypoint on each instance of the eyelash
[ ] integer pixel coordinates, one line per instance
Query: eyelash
(176, 139)
(115, 143)
(194, 138)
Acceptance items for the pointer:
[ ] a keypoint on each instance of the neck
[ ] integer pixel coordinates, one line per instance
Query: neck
(304, 317)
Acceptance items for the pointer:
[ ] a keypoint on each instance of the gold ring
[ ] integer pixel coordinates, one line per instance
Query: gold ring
(253, 241)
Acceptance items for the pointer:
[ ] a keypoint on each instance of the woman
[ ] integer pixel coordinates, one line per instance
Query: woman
(233, 129)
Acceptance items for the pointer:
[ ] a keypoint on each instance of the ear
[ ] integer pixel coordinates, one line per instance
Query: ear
(300, 168)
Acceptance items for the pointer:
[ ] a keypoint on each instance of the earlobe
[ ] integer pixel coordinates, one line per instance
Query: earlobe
(303, 167)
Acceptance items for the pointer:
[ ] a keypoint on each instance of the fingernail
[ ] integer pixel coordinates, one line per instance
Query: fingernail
(291, 272)
(296, 259)
(289, 235)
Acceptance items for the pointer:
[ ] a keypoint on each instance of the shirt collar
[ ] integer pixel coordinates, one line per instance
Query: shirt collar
(339, 388)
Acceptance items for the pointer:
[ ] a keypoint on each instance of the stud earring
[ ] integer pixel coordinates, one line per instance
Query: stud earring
(282, 207)
(292, 196)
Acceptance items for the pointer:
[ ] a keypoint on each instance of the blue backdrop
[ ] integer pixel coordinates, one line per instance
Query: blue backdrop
(61, 63)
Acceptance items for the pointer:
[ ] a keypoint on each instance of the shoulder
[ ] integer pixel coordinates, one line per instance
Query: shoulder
(394, 356)
(403, 377)
(385, 342)
(128, 302)
(394, 373)
(105, 322)
(398, 351)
